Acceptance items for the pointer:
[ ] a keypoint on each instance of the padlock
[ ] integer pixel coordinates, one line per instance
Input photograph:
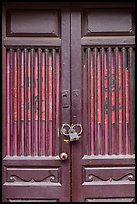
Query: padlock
(73, 135)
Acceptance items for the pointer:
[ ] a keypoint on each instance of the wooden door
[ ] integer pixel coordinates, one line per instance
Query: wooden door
(102, 95)
(60, 65)
(36, 81)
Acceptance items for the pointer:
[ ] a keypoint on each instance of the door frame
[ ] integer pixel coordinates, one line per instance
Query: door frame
(72, 84)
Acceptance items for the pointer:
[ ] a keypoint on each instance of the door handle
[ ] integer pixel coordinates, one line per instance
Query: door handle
(71, 132)
(63, 156)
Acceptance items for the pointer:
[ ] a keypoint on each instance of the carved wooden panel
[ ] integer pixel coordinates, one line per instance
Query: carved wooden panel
(107, 22)
(33, 176)
(108, 174)
(33, 22)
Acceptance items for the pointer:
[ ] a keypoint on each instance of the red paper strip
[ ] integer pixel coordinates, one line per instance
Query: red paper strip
(106, 87)
(36, 87)
(36, 103)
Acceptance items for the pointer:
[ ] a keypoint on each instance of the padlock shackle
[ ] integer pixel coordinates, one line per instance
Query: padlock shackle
(63, 129)
(79, 125)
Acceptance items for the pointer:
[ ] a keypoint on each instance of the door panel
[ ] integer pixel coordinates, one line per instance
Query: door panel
(34, 70)
(103, 159)
(68, 72)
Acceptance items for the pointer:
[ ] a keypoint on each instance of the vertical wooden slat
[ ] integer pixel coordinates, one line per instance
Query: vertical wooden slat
(39, 99)
(85, 127)
(25, 100)
(57, 99)
(106, 101)
(50, 104)
(36, 105)
(99, 101)
(131, 62)
(32, 101)
(117, 118)
(43, 104)
(22, 102)
(120, 100)
(47, 102)
(92, 104)
(19, 66)
(113, 102)
(133, 99)
(29, 103)
(95, 94)
(88, 98)
(8, 103)
(123, 100)
(15, 111)
(11, 100)
(103, 100)
(54, 101)
(127, 103)
(109, 100)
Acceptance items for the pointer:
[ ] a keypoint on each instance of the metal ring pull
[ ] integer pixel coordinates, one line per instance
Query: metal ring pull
(63, 130)
(79, 125)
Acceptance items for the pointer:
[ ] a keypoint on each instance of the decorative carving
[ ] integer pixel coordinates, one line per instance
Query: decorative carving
(93, 177)
(51, 178)
(33, 175)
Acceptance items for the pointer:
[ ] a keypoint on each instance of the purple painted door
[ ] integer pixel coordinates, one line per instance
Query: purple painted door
(68, 64)
(102, 81)
(34, 51)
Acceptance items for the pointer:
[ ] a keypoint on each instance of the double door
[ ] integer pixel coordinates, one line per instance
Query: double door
(68, 102)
